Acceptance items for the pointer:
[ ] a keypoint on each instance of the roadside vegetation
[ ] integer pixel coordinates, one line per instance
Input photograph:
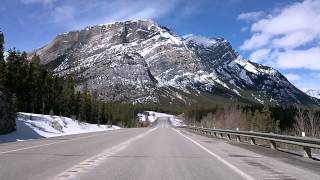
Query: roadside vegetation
(289, 120)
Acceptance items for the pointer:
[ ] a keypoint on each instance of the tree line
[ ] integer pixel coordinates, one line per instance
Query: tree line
(33, 89)
(27, 86)
(289, 120)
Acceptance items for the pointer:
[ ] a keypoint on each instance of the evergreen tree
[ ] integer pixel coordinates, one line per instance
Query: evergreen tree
(77, 104)
(2, 62)
(85, 107)
(256, 120)
(249, 120)
(7, 101)
(266, 122)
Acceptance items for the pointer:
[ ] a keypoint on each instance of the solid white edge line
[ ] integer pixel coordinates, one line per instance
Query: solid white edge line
(234, 168)
(42, 145)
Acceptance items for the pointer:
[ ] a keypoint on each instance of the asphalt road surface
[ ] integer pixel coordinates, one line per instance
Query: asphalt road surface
(159, 152)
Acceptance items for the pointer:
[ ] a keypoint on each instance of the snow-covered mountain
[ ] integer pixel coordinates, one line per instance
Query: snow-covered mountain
(314, 93)
(142, 62)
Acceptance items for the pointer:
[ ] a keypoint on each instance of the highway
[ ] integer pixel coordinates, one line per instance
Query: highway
(160, 152)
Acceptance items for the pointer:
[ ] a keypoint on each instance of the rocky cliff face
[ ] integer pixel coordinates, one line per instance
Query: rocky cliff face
(142, 62)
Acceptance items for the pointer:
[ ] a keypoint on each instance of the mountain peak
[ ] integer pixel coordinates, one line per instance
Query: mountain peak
(201, 40)
(140, 61)
(146, 21)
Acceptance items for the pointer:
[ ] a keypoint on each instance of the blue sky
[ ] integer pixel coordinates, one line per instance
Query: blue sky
(284, 34)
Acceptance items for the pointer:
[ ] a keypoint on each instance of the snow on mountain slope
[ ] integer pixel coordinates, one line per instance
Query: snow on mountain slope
(313, 93)
(34, 126)
(200, 40)
(144, 62)
(152, 116)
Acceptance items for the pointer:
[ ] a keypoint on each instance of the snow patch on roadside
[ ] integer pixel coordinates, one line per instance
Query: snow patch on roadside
(152, 116)
(34, 126)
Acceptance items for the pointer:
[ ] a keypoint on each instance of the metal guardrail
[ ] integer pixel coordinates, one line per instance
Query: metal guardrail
(305, 142)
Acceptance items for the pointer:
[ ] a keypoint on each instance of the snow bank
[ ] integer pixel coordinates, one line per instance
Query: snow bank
(152, 116)
(34, 126)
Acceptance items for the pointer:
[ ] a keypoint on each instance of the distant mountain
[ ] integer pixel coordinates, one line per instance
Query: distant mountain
(143, 62)
(314, 93)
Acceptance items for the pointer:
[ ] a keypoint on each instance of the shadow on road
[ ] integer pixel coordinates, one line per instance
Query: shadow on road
(23, 132)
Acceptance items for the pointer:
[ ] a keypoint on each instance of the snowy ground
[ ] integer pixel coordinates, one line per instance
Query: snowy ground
(34, 126)
(153, 116)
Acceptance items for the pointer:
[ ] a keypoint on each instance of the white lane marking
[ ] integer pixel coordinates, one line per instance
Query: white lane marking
(92, 162)
(234, 168)
(42, 145)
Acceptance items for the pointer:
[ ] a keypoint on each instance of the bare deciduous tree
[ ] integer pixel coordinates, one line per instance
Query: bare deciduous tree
(313, 121)
(300, 118)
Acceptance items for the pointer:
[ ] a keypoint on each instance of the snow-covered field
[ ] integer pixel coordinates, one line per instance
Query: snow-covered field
(34, 126)
(153, 116)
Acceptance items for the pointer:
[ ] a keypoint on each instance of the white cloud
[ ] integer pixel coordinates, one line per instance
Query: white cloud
(299, 17)
(146, 13)
(244, 29)
(256, 41)
(260, 55)
(293, 77)
(315, 75)
(288, 39)
(292, 40)
(44, 2)
(62, 14)
(304, 80)
(292, 27)
(293, 59)
(291, 34)
(77, 14)
(250, 16)
(307, 83)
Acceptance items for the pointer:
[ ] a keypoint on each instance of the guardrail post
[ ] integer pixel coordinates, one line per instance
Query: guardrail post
(273, 145)
(307, 152)
(215, 134)
(229, 137)
(238, 138)
(252, 141)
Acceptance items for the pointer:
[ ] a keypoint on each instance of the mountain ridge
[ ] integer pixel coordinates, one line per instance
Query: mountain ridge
(143, 62)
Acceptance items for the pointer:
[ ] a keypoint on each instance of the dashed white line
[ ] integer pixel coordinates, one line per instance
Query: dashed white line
(234, 168)
(96, 160)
